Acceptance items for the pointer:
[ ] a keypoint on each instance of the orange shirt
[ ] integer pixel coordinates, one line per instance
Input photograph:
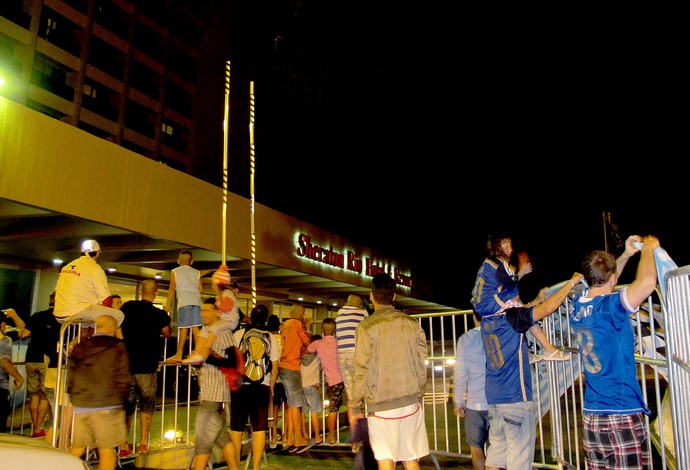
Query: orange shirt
(293, 336)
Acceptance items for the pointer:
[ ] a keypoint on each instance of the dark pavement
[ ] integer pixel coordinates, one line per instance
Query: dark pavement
(324, 457)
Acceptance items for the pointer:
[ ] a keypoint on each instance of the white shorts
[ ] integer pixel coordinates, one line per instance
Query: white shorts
(398, 434)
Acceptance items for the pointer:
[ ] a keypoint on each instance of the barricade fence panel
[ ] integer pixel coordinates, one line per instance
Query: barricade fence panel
(558, 387)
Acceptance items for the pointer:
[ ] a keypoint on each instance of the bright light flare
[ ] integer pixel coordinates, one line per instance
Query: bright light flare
(172, 435)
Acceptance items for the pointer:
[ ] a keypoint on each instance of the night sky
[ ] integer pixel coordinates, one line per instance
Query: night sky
(418, 133)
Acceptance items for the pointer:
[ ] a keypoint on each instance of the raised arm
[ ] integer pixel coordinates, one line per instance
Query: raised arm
(18, 322)
(645, 279)
(551, 304)
(630, 250)
(171, 293)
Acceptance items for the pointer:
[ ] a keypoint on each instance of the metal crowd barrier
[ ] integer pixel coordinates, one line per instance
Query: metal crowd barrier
(676, 316)
(558, 387)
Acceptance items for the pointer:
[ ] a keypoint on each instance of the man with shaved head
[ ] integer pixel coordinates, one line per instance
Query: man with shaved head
(98, 381)
(144, 328)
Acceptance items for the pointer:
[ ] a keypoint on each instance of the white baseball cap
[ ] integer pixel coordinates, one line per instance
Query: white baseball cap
(89, 246)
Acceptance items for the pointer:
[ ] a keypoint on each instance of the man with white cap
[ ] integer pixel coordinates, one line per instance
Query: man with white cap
(82, 294)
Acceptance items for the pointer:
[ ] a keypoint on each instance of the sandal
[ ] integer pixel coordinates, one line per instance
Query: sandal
(556, 355)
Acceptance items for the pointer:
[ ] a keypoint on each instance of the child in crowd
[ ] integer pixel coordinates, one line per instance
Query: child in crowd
(496, 289)
(327, 351)
(186, 287)
(294, 338)
(310, 368)
(228, 316)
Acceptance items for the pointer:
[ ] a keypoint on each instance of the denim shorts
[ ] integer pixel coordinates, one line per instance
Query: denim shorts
(313, 397)
(211, 424)
(476, 427)
(292, 381)
(512, 435)
(189, 315)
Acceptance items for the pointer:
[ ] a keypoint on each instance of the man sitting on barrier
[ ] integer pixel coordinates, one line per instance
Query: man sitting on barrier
(82, 293)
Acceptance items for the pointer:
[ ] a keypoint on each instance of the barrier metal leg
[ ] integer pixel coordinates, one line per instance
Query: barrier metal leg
(190, 464)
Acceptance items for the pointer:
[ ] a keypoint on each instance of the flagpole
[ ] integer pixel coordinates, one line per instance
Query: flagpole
(226, 125)
(606, 244)
(252, 166)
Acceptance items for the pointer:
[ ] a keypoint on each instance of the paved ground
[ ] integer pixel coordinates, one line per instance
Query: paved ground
(324, 457)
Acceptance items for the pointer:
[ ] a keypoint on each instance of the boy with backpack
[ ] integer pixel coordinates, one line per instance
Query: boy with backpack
(253, 397)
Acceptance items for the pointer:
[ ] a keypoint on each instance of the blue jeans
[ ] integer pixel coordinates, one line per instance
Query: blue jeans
(512, 435)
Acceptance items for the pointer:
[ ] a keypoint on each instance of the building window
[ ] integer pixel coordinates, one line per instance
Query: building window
(50, 25)
(89, 91)
(60, 31)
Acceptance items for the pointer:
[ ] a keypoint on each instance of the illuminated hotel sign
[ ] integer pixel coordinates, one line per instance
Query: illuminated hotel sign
(349, 261)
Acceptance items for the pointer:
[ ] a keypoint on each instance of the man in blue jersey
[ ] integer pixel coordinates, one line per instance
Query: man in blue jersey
(615, 436)
(512, 417)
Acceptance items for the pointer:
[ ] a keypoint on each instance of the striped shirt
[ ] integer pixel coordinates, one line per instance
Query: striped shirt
(212, 383)
(345, 325)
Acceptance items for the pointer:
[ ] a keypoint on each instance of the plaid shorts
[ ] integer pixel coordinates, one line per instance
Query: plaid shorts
(617, 442)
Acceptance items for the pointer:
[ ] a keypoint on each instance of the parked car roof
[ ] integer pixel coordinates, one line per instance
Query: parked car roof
(25, 452)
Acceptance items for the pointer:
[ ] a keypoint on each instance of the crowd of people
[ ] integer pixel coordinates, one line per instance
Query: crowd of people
(492, 372)
(378, 359)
